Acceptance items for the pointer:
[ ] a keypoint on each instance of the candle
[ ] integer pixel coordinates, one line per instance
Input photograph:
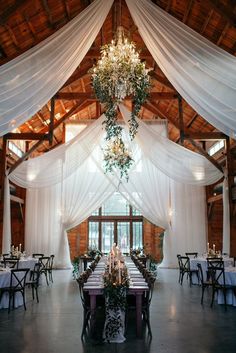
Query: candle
(208, 248)
(119, 272)
(20, 248)
(110, 264)
(12, 248)
(214, 248)
(113, 259)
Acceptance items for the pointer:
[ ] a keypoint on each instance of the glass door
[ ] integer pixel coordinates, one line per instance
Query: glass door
(123, 236)
(108, 238)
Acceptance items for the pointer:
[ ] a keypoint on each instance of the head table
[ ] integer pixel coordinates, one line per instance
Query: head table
(137, 287)
(5, 277)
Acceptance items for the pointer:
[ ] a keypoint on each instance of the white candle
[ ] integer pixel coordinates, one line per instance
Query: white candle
(208, 247)
(110, 264)
(17, 249)
(119, 272)
(214, 248)
(20, 248)
(113, 259)
(12, 248)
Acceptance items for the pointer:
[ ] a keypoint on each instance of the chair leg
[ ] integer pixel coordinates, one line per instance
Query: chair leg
(32, 287)
(37, 296)
(148, 323)
(213, 296)
(23, 295)
(203, 290)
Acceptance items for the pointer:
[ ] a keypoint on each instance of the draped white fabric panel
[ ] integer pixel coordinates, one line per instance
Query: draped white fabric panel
(226, 217)
(188, 223)
(67, 184)
(43, 226)
(53, 167)
(6, 239)
(172, 159)
(204, 74)
(30, 80)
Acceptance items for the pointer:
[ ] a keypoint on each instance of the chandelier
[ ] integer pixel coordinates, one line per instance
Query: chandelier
(120, 74)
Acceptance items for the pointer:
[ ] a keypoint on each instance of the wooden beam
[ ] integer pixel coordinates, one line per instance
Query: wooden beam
(187, 11)
(26, 155)
(28, 136)
(161, 79)
(78, 74)
(215, 198)
(205, 154)
(90, 95)
(226, 11)
(11, 10)
(205, 136)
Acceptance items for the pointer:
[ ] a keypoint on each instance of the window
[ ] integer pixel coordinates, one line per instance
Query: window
(15, 149)
(116, 222)
(216, 147)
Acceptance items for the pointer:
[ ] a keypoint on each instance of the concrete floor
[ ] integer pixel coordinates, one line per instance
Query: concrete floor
(179, 323)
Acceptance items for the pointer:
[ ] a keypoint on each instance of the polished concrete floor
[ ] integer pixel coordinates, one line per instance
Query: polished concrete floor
(179, 323)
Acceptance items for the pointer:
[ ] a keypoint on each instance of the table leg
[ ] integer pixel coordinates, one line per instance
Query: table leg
(93, 312)
(139, 314)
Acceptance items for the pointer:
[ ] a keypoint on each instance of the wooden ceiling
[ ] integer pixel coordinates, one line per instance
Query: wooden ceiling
(24, 23)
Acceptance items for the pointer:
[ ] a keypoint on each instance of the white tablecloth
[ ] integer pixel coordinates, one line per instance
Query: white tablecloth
(5, 277)
(203, 261)
(230, 278)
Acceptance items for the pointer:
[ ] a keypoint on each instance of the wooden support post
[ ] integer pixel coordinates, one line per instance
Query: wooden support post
(2, 180)
(231, 206)
(51, 125)
(181, 120)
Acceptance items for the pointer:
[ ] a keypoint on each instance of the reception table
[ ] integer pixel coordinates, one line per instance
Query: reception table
(5, 277)
(138, 286)
(203, 261)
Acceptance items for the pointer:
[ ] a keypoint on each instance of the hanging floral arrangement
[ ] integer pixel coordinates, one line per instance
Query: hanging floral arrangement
(120, 74)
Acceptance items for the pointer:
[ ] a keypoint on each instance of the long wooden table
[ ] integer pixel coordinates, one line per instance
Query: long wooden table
(138, 286)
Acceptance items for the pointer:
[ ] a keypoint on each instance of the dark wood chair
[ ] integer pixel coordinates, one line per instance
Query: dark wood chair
(192, 255)
(10, 262)
(184, 265)
(33, 282)
(45, 265)
(204, 283)
(17, 285)
(37, 256)
(216, 273)
(50, 268)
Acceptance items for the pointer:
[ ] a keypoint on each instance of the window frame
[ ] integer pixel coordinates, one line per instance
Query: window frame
(115, 219)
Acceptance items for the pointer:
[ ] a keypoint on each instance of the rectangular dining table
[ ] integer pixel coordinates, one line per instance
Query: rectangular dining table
(138, 286)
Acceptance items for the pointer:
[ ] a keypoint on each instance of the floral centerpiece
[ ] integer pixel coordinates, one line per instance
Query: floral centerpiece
(119, 74)
(116, 283)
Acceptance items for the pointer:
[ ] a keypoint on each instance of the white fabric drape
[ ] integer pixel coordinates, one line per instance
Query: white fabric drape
(188, 223)
(68, 183)
(6, 233)
(173, 160)
(204, 74)
(226, 217)
(30, 80)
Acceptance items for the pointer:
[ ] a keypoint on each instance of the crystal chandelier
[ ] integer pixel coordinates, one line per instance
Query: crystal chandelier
(120, 74)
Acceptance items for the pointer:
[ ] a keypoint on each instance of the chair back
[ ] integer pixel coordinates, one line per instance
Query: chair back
(37, 256)
(184, 263)
(35, 274)
(51, 261)
(216, 272)
(18, 279)
(192, 255)
(45, 263)
(234, 261)
(11, 263)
